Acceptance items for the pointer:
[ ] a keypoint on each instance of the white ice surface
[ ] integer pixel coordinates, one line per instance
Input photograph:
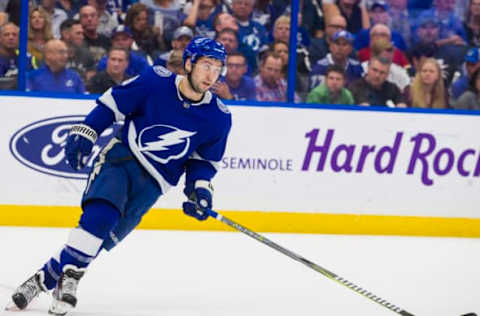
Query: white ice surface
(176, 273)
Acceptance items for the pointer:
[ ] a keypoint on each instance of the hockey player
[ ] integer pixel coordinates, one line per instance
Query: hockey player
(173, 124)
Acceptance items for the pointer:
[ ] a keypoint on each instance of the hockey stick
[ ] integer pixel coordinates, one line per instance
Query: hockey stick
(309, 264)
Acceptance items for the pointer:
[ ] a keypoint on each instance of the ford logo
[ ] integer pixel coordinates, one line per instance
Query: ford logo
(41, 146)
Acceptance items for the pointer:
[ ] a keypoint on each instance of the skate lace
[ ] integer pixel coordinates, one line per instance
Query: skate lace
(30, 289)
(69, 285)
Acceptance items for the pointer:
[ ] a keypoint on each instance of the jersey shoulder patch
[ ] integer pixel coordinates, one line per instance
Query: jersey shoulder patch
(162, 71)
(222, 106)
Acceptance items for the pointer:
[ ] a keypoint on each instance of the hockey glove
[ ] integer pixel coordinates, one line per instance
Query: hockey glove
(199, 199)
(79, 145)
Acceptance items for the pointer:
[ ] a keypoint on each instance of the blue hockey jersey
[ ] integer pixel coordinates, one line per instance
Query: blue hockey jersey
(167, 133)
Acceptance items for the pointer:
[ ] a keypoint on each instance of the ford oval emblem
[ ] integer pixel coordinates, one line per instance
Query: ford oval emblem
(41, 146)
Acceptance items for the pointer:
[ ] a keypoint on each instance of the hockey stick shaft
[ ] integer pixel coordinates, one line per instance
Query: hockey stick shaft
(309, 264)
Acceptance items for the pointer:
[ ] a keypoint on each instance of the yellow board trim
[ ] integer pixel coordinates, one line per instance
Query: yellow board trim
(310, 223)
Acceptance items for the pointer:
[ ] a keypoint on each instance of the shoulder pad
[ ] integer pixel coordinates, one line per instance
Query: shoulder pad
(222, 106)
(162, 71)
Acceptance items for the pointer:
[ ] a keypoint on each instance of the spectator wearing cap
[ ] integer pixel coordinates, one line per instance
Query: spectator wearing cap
(122, 38)
(229, 38)
(378, 12)
(333, 90)
(340, 50)
(53, 76)
(79, 57)
(98, 44)
(320, 47)
(250, 32)
(397, 75)
(451, 31)
(374, 89)
(106, 20)
(114, 74)
(428, 33)
(181, 37)
(201, 14)
(377, 32)
(471, 65)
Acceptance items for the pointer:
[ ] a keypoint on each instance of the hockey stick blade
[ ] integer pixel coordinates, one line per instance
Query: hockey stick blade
(310, 264)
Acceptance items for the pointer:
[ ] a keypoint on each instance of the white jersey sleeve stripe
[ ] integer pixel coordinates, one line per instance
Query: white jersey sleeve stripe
(108, 100)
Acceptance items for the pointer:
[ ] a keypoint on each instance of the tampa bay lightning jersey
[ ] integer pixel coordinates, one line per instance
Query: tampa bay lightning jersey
(167, 133)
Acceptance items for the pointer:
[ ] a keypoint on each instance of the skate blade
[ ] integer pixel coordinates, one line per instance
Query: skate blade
(11, 307)
(59, 308)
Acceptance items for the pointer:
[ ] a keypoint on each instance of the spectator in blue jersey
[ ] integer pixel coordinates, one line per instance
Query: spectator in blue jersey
(379, 15)
(333, 90)
(470, 99)
(228, 37)
(181, 37)
(201, 14)
(250, 32)
(240, 86)
(122, 38)
(452, 31)
(471, 65)
(53, 76)
(340, 50)
(173, 125)
(9, 37)
(114, 74)
(428, 32)
(98, 44)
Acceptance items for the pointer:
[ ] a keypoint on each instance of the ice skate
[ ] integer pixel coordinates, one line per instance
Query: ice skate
(65, 294)
(29, 289)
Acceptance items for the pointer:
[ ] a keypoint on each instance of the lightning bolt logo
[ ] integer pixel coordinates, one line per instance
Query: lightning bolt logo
(165, 140)
(169, 137)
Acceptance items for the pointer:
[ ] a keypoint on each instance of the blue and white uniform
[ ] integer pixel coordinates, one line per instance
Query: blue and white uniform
(164, 130)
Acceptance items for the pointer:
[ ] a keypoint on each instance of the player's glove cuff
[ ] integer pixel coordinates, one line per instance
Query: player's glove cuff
(85, 131)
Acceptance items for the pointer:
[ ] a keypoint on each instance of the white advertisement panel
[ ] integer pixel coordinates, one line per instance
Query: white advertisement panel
(277, 159)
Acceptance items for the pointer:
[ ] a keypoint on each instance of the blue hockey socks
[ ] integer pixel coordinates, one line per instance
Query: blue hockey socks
(84, 243)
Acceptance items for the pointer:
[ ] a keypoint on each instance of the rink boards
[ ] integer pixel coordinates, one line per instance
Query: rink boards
(286, 169)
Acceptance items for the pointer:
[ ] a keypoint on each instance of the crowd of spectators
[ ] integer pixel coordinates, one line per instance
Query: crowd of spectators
(395, 53)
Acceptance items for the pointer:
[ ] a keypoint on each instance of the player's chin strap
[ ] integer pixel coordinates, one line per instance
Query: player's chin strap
(309, 263)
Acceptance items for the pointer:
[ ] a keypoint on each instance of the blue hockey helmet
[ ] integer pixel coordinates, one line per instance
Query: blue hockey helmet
(205, 47)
